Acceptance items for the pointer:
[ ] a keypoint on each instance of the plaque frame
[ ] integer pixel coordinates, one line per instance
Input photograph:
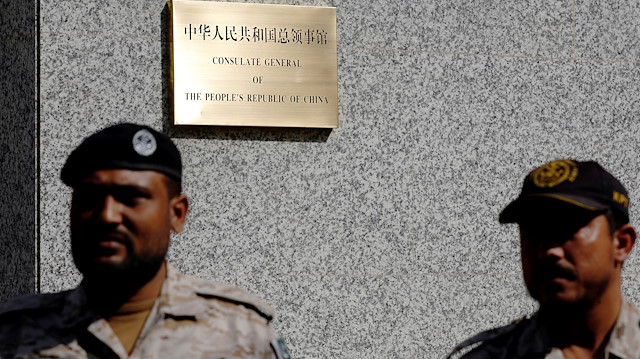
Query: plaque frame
(263, 65)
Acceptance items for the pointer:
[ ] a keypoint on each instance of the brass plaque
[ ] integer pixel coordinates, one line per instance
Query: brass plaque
(237, 64)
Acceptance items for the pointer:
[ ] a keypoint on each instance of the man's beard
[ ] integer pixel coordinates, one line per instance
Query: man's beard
(130, 274)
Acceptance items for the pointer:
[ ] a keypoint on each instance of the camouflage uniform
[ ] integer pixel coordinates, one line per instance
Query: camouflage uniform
(527, 339)
(192, 318)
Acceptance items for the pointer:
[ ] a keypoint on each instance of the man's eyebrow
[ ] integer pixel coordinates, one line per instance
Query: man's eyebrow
(132, 188)
(88, 185)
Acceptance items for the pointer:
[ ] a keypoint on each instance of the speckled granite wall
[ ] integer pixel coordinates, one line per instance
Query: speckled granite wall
(378, 239)
(18, 118)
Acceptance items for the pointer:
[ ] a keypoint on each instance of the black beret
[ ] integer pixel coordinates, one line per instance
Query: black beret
(123, 146)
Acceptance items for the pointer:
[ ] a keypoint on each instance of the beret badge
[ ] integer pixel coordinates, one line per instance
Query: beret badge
(144, 143)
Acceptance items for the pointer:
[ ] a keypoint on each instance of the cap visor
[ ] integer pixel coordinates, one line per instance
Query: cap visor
(522, 206)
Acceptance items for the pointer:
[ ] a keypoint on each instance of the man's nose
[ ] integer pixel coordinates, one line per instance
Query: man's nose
(111, 211)
(553, 251)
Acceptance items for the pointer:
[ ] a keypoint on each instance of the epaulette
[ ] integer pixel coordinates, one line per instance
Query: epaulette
(263, 313)
(483, 337)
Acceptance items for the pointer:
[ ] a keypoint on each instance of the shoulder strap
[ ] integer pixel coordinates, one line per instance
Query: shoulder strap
(485, 336)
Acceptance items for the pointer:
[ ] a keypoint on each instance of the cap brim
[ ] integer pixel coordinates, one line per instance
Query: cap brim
(520, 207)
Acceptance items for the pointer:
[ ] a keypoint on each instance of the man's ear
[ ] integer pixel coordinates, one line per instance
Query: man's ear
(178, 208)
(623, 239)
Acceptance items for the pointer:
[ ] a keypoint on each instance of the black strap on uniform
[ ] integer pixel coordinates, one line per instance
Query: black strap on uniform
(94, 347)
(483, 336)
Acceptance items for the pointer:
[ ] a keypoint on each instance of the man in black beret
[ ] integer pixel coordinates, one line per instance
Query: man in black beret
(574, 236)
(126, 201)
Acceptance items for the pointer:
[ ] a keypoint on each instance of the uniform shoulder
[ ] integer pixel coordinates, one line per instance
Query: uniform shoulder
(185, 285)
(624, 340)
(630, 309)
(31, 305)
(489, 343)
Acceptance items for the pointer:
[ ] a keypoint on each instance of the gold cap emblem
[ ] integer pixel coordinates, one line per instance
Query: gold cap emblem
(554, 173)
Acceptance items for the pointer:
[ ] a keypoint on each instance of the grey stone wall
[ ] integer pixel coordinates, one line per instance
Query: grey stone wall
(378, 239)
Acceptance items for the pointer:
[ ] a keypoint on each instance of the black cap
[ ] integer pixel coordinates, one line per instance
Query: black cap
(123, 146)
(585, 185)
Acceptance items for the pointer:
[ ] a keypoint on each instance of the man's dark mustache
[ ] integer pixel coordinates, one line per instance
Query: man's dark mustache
(112, 234)
(548, 271)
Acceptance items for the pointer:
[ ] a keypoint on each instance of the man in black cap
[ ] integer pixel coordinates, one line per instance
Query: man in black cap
(126, 201)
(575, 236)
